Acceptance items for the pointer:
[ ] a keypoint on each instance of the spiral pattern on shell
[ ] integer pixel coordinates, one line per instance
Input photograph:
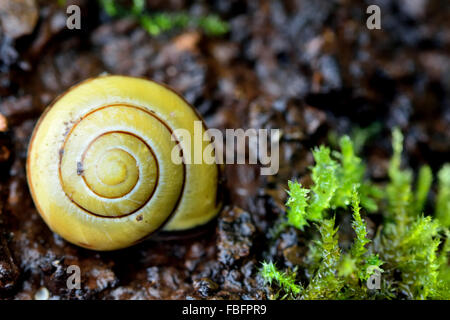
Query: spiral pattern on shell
(100, 169)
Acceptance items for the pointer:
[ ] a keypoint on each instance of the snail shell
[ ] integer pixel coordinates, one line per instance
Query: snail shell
(99, 164)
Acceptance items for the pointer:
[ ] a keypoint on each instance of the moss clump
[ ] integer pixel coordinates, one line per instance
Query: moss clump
(410, 251)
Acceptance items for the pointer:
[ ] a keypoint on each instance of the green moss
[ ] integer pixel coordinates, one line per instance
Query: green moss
(325, 183)
(334, 180)
(351, 172)
(424, 180)
(296, 205)
(413, 251)
(399, 191)
(286, 280)
(358, 250)
(410, 250)
(443, 196)
(156, 23)
(325, 284)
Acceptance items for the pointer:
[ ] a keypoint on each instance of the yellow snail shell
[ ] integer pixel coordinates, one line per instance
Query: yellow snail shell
(99, 164)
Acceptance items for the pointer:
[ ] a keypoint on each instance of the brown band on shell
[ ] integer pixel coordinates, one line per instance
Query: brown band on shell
(127, 133)
(154, 115)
